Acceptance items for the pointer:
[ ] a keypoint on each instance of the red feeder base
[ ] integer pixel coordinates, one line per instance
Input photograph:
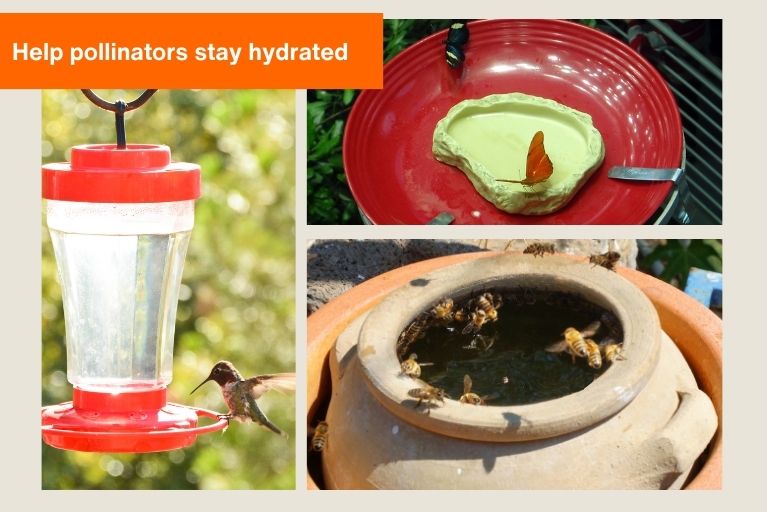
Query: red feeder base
(135, 422)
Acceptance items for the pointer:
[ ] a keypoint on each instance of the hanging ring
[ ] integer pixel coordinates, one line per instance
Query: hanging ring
(119, 107)
(112, 107)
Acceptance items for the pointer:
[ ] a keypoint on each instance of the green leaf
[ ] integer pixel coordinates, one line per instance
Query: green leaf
(680, 256)
(315, 112)
(311, 134)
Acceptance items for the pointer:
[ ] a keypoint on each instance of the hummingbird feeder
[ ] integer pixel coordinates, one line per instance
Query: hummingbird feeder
(120, 217)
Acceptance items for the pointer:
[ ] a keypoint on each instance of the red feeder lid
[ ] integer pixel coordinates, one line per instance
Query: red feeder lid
(139, 173)
(135, 422)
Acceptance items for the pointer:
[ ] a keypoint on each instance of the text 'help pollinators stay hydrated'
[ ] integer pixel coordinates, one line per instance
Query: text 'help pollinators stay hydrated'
(246, 50)
(105, 52)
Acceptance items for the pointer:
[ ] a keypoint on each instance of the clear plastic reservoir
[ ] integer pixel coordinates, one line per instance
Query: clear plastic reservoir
(120, 267)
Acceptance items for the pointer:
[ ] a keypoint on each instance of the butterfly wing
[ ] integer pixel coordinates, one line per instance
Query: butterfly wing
(539, 166)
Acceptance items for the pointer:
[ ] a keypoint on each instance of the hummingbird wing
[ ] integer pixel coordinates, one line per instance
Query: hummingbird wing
(258, 416)
(279, 381)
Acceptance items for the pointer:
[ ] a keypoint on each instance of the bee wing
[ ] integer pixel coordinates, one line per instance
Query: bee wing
(466, 384)
(603, 344)
(489, 342)
(470, 328)
(591, 329)
(557, 347)
(279, 381)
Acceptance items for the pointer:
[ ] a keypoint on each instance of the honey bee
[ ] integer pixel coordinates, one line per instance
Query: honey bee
(575, 341)
(428, 394)
(611, 350)
(477, 319)
(468, 397)
(320, 437)
(412, 332)
(594, 355)
(410, 366)
(443, 310)
(460, 315)
(539, 249)
(606, 260)
(486, 303)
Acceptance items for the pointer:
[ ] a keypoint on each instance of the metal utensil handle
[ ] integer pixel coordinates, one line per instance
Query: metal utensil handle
(675, 175)
(443, 218)
(646, 173)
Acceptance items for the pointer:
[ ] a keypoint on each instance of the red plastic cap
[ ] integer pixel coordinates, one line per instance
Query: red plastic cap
(140, 173)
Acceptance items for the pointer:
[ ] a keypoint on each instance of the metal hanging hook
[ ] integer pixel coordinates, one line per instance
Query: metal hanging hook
(119, 107)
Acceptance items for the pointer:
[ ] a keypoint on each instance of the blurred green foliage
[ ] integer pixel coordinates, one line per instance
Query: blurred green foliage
(329, 200)
(238, 287)
(677, 257)
(328, 195)
(589, 23)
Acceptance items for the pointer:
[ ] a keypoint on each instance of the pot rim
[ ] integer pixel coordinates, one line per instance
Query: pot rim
(607, 395)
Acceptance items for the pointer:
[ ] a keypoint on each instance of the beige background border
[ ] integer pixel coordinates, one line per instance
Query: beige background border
(744, 198)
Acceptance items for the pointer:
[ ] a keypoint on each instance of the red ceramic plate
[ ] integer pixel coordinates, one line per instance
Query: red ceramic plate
(395, 178)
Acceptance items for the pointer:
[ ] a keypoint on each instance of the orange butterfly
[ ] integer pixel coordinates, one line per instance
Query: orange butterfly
(539, 166)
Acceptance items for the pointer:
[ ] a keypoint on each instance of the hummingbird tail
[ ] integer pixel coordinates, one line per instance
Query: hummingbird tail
(258, 416)
(274, 428)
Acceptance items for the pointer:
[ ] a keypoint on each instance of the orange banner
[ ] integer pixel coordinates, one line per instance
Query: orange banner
(206, 51)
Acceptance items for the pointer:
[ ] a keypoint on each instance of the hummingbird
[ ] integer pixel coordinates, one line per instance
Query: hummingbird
(241, 394)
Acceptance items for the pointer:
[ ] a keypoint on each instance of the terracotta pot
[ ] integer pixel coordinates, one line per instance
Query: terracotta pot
(331, 320)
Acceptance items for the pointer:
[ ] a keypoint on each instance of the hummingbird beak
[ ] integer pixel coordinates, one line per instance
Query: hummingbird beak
(201, 383)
